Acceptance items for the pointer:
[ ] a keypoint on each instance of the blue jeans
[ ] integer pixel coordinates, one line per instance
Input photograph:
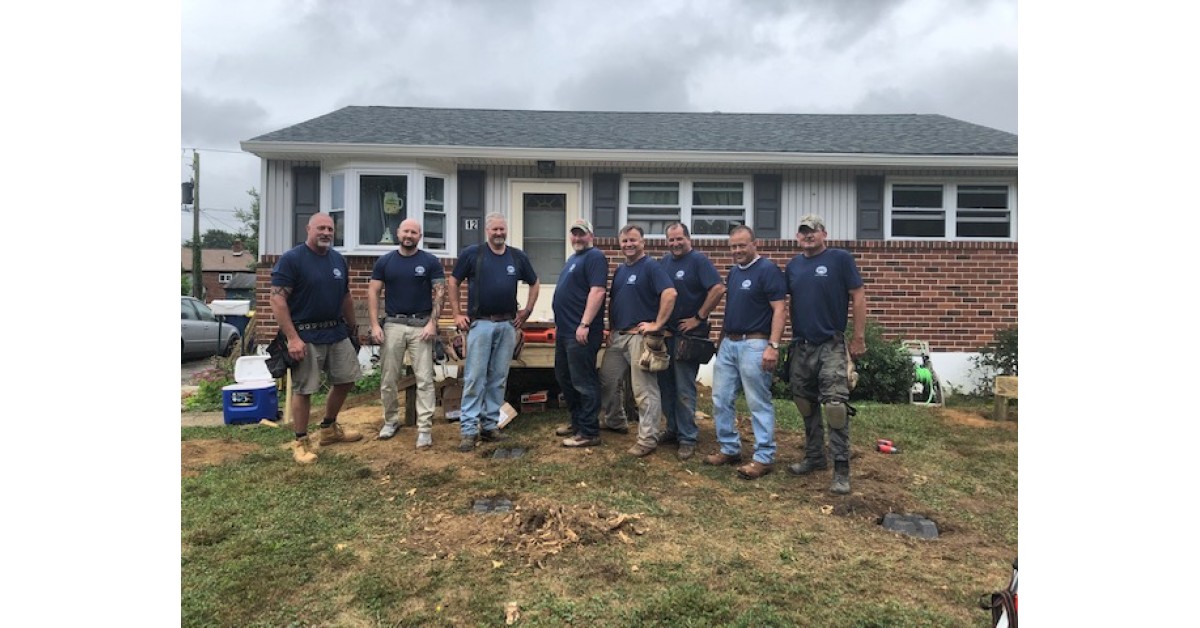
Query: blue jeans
(575, 371)
(677, 387)
(739, 366)
(490, 347)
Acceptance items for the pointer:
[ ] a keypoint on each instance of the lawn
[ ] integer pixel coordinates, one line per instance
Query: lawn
(377, 533)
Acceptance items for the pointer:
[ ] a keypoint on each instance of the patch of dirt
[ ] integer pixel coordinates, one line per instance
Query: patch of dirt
(197, 454)
(975, 419)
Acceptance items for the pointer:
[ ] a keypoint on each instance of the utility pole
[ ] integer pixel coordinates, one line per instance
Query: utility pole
(197, 276)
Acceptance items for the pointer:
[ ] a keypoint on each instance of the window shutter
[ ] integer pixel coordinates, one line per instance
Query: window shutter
(305, 201)
(870, 207)
(768, 189)
(470, 208)
(606, 191)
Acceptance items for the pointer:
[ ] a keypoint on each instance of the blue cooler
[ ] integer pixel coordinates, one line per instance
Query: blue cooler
(255, 396)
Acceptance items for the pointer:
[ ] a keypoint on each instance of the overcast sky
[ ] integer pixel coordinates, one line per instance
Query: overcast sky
(249, 68)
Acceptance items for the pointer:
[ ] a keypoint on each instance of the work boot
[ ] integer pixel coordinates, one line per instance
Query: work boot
(424, 440)
(686, 450)
(639, 451)
(466, 444)
(807, 466)
(335, 434)
(388, 430)
(579, 440)
(753, 470)
(492, 436)
(841, 478)
(301, 451)
(719, 458)
(666, 438)
(565, 430)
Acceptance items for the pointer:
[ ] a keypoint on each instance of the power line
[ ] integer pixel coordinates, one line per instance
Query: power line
(221, 150)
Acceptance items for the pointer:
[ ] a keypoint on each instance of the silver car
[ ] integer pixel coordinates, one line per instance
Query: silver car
(202, 334)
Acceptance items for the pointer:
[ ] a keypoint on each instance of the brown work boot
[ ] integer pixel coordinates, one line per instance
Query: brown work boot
(753, 470)
(686, 451)
(639, 451)
(719, 458)
(565, 430)
(335, 434)
(301, 451)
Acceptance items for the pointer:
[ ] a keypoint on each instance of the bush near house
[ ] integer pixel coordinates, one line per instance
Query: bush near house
(885, 372)
(997, 358)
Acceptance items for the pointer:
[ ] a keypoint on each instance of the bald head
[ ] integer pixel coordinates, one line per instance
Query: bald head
(319, 233)
(408, 234)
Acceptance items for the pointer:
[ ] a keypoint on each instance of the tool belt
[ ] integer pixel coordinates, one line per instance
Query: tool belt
(747, 336)
(317, 325)
(412, 320)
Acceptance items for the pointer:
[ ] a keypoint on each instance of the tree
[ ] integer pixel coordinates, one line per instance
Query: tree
(249, 218)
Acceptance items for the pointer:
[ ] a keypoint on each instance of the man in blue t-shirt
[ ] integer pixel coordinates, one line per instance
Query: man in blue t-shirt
(414, 286)
(310, 297)
(822, 283)
(698, 290)
(640, 303)
(754, 320)
(578, 318)
(493, 320)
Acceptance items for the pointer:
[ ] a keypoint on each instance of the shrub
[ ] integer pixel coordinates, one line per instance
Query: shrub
(998, 358)
(885, 372)
(210, 381)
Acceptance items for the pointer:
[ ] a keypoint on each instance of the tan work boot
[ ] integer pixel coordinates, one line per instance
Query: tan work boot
(335, 434)
(301, 453)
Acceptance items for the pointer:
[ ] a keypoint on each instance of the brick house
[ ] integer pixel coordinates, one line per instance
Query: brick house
(927, 204)
(218, 267)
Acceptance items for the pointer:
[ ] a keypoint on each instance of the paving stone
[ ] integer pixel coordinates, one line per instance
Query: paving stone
(912, 525)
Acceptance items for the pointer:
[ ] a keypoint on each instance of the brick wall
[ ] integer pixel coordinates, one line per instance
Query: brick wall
(953, 295)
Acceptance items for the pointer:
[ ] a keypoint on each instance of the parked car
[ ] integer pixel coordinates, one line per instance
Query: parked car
(202, 334)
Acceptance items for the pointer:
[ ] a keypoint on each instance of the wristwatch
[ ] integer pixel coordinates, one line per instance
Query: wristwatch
(774, 345)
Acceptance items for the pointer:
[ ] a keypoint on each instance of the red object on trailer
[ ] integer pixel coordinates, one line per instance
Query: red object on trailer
(545, 336)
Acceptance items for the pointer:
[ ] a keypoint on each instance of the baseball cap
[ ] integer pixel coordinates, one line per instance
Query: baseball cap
(580, 224)
(812, 221)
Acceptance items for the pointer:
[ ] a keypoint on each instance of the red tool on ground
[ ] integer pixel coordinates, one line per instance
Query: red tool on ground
(887, 449)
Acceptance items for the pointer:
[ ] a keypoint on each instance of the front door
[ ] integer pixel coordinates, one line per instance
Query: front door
(539, 214)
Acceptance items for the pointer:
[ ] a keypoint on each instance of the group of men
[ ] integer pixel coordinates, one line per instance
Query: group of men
(648, 302)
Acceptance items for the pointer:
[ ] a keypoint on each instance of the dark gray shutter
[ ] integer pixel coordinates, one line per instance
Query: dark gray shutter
(470, 208)
(870, 207)
(306, 200)
(768, 192)
(606, 204)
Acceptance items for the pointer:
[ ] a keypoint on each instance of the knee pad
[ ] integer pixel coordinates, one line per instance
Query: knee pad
(804, 406)
(836, 414)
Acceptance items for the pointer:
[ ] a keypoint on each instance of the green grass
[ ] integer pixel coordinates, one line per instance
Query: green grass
(266, 542)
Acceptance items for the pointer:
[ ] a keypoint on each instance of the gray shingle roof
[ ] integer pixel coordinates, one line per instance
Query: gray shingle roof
(900, 134)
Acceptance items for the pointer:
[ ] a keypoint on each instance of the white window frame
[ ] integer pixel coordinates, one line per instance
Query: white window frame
(949, 207)
(352, 174)
(224, 278)
(686, 183)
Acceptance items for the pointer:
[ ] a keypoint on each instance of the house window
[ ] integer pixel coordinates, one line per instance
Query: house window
(224, 278)
(435, 213)
(368, 203)
(708, 207)
(951, 210)
(382, 205)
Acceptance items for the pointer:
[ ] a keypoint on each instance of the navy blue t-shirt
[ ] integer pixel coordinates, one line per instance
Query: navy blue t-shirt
(495, 290)
(319, 284)
(820, 287)
(748, 296)
(582, 272)
(408, 281)
(635, 291)
(693, 275)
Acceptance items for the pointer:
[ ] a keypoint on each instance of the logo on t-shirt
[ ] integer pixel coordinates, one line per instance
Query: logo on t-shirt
(337, 273)
(822, 271)
(746, 284)
(420, 271)
(572, 267)
(511, 270)
(632, 279)
(679, 274)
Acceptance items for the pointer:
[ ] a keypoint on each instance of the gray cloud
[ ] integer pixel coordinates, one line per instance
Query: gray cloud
(220, 123)
(979, 88)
